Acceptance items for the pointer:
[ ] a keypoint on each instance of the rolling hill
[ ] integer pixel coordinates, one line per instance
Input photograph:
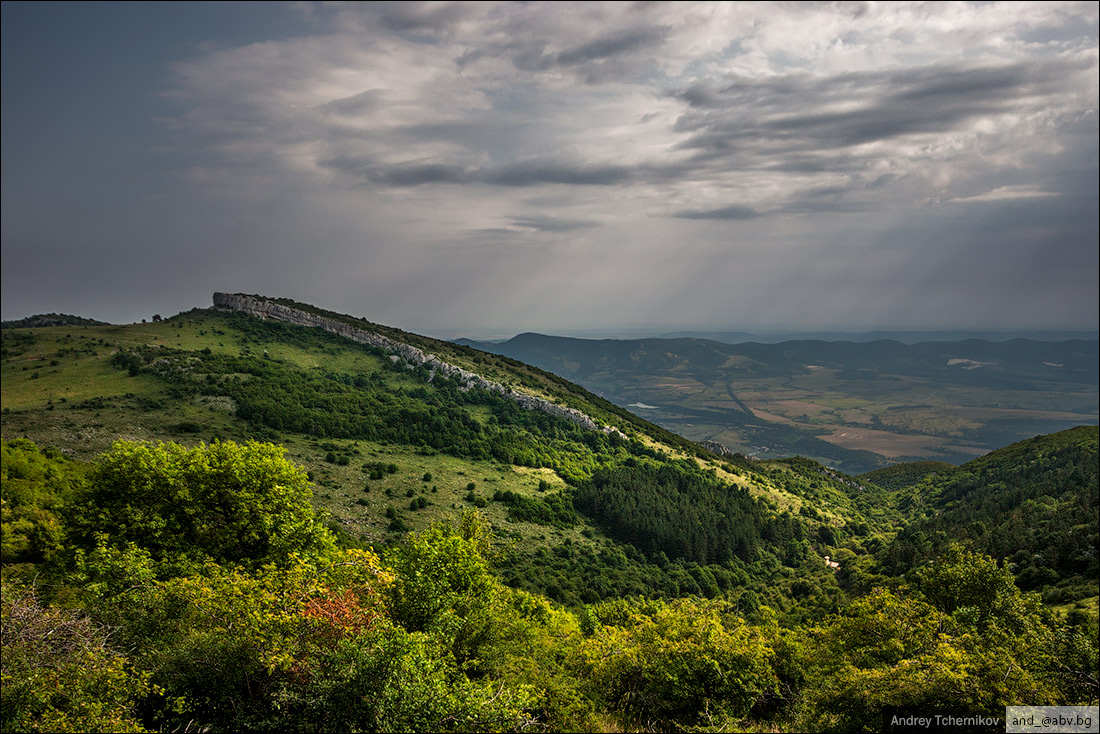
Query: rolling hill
(1033, 505)
(399, 431)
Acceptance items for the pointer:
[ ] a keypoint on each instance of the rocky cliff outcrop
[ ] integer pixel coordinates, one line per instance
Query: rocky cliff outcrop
(716, 448)
(414, 357)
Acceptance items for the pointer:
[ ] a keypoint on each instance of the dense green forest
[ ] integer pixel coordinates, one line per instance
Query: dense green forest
(298, 532)
(1033, 503)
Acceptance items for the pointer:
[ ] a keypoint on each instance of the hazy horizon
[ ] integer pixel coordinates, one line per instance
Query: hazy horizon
(780, 334)
(469, 169)
(704, 331)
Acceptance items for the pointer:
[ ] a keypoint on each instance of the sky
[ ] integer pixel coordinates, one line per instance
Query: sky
(484, 169)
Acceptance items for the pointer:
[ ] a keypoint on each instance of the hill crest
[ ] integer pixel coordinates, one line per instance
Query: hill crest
(42, 320)
(265, 308)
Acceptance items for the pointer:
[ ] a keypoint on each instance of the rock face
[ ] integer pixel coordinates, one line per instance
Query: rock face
(414, 357)
(716, 448)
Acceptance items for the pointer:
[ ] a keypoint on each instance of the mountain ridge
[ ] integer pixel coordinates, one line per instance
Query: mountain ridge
(270, 309)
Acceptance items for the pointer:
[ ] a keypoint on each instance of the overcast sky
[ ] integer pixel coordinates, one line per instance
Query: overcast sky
(489, 168)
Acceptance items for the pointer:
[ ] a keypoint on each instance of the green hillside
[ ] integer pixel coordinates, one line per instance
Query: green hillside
(50, 319)
(1034, 506)
(900, 476)
(392, 449)
(223, 522)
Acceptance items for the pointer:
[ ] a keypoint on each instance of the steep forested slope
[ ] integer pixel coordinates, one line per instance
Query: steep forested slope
(1033, 504)
(901, 476)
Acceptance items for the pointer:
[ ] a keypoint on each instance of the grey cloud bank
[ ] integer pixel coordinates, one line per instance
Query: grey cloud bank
(504, 167)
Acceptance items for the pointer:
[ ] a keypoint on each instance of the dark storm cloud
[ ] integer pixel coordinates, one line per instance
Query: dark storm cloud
(550, 172)
(546, 42)
(808, 163)
(931, 100)
(413, 175)
(753, 114)
(470, 133)
(624, 42)
(791, 123)
(823, 200)
(421, 16)
(519, 175)
(823, 206)
(733, 212)
(809, 204)
(549, 224)
(357, 104)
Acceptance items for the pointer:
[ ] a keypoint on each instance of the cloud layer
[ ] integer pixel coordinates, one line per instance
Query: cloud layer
(506, 166)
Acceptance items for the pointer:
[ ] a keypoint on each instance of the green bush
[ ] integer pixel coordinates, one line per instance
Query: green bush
(227, 502)
(58, 674)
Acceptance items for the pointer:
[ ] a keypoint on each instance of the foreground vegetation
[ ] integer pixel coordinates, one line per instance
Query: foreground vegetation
(163, 588)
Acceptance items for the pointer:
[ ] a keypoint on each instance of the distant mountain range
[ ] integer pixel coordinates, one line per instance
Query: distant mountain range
(905, 337)
(774, 337)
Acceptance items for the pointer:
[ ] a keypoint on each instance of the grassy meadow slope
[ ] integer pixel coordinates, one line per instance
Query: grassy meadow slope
(856, 406)
(391, 450)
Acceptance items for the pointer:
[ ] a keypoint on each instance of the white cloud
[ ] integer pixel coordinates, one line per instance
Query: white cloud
(459, 92)
(1007, 193)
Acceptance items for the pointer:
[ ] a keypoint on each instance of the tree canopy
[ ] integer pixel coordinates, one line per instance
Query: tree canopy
(226, 502)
